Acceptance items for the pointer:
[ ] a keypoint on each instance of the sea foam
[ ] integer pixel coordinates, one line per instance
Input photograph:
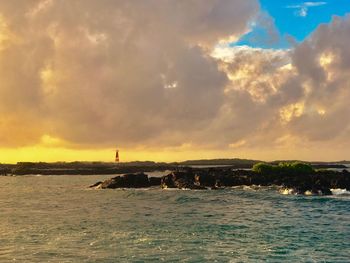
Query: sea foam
(339, 191)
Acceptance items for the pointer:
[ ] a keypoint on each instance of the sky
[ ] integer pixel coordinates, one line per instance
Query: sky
(174, 80)
(293, 21)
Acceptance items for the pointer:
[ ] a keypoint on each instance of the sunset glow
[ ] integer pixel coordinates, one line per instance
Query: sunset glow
(184, 80)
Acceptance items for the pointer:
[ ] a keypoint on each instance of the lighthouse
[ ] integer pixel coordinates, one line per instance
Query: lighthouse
(117, 156)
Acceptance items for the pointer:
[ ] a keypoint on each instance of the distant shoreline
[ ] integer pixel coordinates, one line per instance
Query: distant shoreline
(101, 168)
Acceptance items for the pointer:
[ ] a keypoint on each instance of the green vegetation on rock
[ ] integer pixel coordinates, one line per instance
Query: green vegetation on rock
(283, 168)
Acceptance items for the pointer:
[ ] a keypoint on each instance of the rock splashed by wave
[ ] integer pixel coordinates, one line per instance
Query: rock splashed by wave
(295, 178)
(339, 191)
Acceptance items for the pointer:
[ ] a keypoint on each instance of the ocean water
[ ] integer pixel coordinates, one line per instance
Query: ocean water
(57, 219)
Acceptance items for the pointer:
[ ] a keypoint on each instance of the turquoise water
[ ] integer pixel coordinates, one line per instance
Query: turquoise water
(56, 219)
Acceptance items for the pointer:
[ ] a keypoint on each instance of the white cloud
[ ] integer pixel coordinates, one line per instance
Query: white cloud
(106, 72)
(151, 73)
(303, 8)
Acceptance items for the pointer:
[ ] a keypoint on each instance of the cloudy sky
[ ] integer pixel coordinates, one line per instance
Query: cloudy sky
(174, 79)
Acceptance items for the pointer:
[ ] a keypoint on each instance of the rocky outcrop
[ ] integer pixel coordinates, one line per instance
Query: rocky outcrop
(313, 183)
(154, 181)
(137, 180)
(181, 180)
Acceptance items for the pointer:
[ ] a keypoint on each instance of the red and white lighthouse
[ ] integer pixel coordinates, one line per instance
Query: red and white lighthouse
(117, 156)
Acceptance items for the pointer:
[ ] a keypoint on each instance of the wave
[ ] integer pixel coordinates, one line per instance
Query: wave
(292, 191)
(287, 191)
(252, 187)
(339, 191)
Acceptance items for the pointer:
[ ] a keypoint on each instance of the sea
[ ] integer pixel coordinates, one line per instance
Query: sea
(59, 219)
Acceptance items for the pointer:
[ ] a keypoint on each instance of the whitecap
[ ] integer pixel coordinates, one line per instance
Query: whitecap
(339, 191)
(247, 187)
(252, 187)
(287, 191)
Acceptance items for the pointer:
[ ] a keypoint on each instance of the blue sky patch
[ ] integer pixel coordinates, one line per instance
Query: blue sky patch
(287, 21)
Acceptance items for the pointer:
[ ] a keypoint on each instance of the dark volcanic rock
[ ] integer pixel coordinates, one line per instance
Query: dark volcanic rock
(310, 183)
(317, 183)
(206, 179)
(181, 180)
(154, 181)
(138, 180)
